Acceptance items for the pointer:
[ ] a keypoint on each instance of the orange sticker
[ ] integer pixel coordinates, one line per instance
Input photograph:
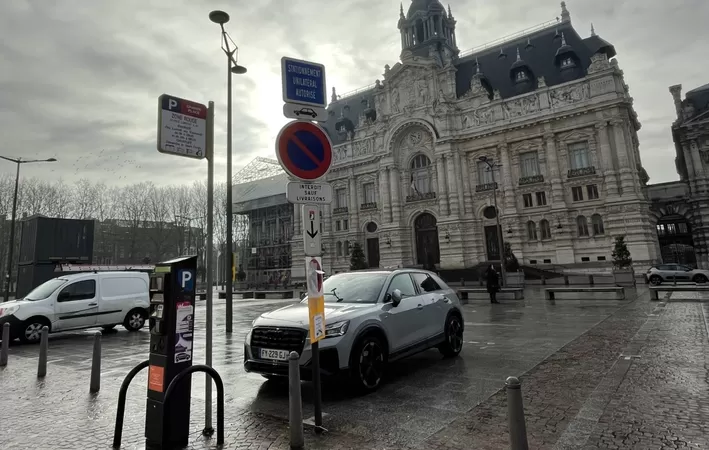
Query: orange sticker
(156, 377)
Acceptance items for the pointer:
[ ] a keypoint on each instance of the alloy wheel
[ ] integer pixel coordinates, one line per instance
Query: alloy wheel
(371, 364)
(33, 331)
(136, 321)
(455, 335)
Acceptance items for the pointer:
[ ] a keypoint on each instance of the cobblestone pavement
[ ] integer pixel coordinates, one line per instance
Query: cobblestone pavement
(567, 353)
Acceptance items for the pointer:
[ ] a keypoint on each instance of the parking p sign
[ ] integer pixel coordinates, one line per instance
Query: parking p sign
(186, 280)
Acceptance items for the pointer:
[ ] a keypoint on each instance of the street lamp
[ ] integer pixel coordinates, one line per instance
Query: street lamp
(491, 165)
(11, 246)
(231, 51)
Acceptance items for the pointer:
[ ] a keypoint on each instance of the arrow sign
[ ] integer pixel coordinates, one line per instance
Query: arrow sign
(312, 239)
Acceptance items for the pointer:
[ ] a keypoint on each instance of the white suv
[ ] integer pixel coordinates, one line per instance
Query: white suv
(676, 272)
(372, 317)
(82, 300)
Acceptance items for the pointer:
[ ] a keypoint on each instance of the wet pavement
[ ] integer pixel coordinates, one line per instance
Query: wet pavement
(583, 384)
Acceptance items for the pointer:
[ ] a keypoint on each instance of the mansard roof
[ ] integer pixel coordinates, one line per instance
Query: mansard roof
(539, 57)
(356, 104)
(699, 98)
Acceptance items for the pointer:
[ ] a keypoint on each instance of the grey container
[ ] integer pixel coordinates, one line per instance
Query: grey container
(52, 240)
(29, 276)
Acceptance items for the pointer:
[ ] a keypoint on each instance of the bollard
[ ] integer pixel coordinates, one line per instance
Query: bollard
(566, 280)
(515, 412)
(590, 280)
(43, 344)
(5, 348)
(295, 415)
(95, 384)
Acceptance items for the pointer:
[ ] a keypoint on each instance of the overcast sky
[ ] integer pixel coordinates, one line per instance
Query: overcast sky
(79, 79)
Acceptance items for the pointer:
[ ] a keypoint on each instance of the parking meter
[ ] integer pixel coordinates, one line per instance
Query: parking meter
(171, 318)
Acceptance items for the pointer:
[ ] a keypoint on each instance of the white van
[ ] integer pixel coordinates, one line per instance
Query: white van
(81, 300)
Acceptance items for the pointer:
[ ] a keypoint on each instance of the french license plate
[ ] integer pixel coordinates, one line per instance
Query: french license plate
(276, 355)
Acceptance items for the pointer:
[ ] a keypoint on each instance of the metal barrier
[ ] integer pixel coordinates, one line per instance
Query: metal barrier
(118, 430)
(220, 394)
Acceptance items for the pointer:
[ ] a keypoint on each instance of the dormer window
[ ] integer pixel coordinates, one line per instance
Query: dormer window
(521, 76)
(567, 62)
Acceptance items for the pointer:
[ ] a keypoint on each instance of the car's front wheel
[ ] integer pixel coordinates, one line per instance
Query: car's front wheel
(454, 337)
(655, 280)
(32, 329)
(367, 363)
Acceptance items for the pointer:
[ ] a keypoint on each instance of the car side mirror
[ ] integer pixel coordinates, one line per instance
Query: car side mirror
(396, 297)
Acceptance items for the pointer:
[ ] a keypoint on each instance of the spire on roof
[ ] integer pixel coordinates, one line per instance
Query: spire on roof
(334, 95)
(519, 58)
(563, 40)
(477, 66)
(450, 14)
(401, 11)
(529, 45)
(565, 16)
(593, 30)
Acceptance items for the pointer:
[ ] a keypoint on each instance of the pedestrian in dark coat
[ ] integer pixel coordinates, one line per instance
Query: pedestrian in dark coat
(493, 283)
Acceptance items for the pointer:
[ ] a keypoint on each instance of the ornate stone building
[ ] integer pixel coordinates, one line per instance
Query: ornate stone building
(680, 209)
(547, 105)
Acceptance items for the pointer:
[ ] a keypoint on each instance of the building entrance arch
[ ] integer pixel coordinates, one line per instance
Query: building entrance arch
(427, 249)
(674, 233)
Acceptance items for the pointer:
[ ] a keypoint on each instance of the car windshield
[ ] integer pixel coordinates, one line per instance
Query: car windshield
(45, 289)
(353, 287)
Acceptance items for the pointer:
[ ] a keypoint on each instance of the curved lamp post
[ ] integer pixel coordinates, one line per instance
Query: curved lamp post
(491, 165)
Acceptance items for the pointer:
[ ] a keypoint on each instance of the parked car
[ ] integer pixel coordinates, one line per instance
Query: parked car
(371, 318)
(81, 300)
(671, 272)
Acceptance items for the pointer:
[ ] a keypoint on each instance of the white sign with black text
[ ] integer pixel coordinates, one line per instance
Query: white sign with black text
(312, 238)
(301, 192)
(182, 127)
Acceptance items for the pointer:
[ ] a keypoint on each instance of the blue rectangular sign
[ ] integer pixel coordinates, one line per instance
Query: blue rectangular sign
(303, 82)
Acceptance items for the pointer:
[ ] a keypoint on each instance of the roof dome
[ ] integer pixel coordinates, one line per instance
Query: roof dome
(424, 6)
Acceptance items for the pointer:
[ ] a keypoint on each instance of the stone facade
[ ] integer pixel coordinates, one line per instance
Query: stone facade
(680, 210)
(570, 179)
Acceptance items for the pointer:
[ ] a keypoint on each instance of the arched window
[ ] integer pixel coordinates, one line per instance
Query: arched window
(545, 229)
(346, 249)
(582, 226)
(421, 174)
(597, 222)
(339, 249)
(531, 230)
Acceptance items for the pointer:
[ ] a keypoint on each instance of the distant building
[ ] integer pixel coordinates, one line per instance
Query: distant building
(680, 209)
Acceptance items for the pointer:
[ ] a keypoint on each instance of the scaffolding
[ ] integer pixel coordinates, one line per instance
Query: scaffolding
(263, 234)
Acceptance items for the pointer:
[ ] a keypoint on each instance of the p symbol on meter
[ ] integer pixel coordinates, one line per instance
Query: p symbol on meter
(186, 280)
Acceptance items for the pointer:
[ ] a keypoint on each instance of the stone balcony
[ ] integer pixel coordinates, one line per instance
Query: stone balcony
(485, 187)
(340, 210)
(582, 172)
(368, 206)
(533, 179)
(420, 197)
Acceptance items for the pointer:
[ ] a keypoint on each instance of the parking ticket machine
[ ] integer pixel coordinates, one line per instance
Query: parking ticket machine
(172, 300)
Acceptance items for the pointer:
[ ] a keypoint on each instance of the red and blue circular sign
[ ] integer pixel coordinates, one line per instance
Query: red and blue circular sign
(304, 150)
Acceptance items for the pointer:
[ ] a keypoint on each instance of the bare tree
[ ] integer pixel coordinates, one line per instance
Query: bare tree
(158, 225)
(86, 199)
(180, 207)
(198, 202)
(132, 211)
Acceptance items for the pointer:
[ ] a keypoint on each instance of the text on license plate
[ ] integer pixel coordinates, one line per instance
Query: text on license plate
(278, 355)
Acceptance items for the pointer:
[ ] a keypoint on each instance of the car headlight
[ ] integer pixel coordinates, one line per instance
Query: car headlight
(8, 311)
(337, 329)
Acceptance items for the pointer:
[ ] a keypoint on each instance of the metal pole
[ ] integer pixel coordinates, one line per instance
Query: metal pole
(317, 400)
(5, 348)
(43, 344)
(515, 412)
(295, 416)
(208, 429)
(95, 385)
(11, 246)
(229, 237)
(503, 281)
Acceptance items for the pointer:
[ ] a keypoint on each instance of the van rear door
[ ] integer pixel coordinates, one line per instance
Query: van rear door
(119, 294)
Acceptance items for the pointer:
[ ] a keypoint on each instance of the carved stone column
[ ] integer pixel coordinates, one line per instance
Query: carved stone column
(442, 193)
(506, 183)
(453, 192)
(460, 187)
(607, 167)
(395, 187)
(327, 219)
(557, 187)
(296, 220)
(384, 195)
(622, 149)
(467, 187)
(354, 204)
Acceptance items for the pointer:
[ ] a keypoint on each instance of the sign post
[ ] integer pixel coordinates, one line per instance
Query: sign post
(304, 151)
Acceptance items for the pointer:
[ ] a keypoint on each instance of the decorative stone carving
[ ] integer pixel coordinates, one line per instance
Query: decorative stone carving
(599, 63)
(496, 95)
(541, 82)
(395, 101)
(362, 148)
(520, 107)
(340, 153)
(479, 117)
(569, 95)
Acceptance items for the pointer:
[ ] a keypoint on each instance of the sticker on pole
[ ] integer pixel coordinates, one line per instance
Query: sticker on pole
(184, 328)
(182, 127)
(316, 301)
(304, 150)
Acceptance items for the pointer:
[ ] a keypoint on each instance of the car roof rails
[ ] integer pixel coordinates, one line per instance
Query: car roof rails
(76, 268)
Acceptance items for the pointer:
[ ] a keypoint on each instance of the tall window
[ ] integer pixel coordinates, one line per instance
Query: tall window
(531, 231)
(368, 189)
(579, 157)
(582, 225)
(346, 248)
(339, 249)
(541, 199)
(529, 164)
(484, 173)
(527, 200)
(421, 174)
(545, 229)
(341, 197)
(597, 222)
(577, 193)
(592, 191)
